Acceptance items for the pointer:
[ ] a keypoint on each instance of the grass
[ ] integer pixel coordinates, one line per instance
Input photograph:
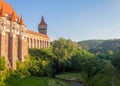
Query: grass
(35, 81)
(79, 76)
(117, 78)
(102, 78)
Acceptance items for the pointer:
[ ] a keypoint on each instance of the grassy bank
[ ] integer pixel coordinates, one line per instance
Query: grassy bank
(102, 78)
(117, 78)
(35, 81)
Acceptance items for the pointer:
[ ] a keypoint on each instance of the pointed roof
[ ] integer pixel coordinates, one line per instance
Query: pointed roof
(13, 17)
(21, 21)
(2, 13)
(42, 21)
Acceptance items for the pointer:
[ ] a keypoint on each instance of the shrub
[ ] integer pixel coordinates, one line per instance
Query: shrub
(22, 70)
(2, 63)
(3, 76)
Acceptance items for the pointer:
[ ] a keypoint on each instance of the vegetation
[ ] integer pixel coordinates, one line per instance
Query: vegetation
(2, 63)
(102, 77)
(116, 60)
(90, 44)
(116, 63)
(117, 78)
(101, 45)
(67, 60)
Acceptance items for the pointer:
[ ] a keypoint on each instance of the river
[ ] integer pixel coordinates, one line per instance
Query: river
(73, 83)
(77, 84)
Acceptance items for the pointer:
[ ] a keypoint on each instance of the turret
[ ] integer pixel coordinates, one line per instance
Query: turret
(42, 27)
(21, 21)
(22, 27)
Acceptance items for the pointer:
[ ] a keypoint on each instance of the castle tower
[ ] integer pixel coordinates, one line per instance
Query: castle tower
(42, 27)
(23, 45)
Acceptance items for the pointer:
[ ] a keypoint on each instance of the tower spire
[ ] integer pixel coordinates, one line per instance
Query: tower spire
(42, 27)
(42, 21)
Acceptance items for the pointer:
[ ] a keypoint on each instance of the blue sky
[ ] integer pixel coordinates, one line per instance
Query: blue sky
(74, 19)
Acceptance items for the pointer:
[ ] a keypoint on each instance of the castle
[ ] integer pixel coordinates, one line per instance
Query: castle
(16, 39)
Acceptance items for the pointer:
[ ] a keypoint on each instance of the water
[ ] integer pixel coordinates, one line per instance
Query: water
(77, 84)
(73, 83)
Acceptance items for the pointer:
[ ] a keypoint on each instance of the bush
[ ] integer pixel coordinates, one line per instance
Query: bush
(3, 76)
(22, 70)
(2, 63)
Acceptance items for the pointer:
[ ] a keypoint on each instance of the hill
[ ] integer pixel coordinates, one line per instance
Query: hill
(100, 45)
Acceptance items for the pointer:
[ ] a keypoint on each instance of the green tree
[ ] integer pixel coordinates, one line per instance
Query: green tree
(42, 62)
(63, 49)
(116, 60)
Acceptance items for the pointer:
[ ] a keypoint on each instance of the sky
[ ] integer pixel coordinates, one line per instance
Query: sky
(72, 19)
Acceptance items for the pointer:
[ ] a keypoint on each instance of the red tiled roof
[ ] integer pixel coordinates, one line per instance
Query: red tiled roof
(8, 8)
(2, 12)
(36, 33)
(42, 21)
(1, 4)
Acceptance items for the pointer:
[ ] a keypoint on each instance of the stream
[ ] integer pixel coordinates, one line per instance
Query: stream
(76, 84)
(73, 83)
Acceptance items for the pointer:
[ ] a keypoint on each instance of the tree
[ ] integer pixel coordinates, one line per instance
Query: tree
(63, 49)
(116, 60)
(42, 62)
